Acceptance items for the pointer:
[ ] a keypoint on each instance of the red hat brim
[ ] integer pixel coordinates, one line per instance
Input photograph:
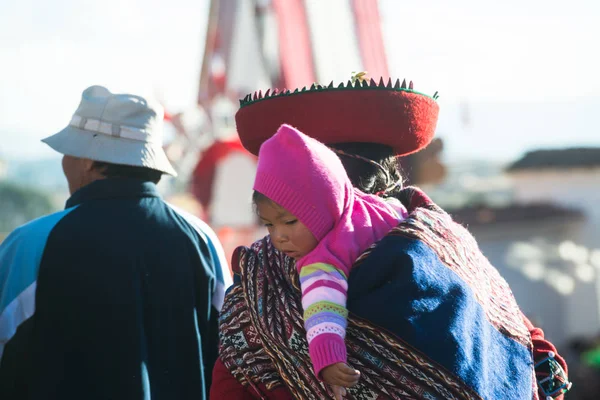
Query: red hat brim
(400, 118)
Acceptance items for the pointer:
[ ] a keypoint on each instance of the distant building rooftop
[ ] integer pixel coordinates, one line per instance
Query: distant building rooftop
(582, 157)
(514, 213)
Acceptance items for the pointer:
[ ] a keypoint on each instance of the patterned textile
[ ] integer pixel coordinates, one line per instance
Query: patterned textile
(552, 379)
(263, 339)
(459, 251)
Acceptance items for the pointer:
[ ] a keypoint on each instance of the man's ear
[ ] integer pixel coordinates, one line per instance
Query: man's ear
(87, 164)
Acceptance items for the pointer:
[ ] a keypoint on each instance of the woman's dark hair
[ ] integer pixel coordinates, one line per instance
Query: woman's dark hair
(127, 171)
(368, 177)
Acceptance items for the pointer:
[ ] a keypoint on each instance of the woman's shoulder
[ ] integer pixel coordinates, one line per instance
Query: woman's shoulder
(427, 230)
(414, 198)
(261, 255)
(241, 253)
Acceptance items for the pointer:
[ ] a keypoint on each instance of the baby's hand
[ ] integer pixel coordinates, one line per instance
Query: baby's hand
(338, 392)
(339, 376)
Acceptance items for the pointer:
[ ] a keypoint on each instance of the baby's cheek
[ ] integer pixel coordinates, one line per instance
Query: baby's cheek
(310, 243)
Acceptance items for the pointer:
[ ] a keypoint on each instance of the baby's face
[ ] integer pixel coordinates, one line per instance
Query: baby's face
(288, 234)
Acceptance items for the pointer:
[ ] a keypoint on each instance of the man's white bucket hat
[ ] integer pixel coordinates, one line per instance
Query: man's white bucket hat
(115, 128)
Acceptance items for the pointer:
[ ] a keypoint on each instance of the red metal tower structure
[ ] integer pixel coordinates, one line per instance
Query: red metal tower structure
(260, 44)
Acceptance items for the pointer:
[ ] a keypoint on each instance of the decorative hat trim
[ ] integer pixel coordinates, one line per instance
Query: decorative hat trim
(359, 84)
(361, 110)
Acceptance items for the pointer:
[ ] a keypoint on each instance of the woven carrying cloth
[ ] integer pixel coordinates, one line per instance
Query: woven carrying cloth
(263, 338)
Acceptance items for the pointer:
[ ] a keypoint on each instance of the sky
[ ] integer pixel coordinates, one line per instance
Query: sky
(512, 75)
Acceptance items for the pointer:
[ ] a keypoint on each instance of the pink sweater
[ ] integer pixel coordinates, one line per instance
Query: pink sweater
(307, 179)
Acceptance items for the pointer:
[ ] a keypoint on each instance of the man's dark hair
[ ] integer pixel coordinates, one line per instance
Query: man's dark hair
(110, 170)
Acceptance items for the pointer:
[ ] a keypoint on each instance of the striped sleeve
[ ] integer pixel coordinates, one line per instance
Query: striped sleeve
(324, 294)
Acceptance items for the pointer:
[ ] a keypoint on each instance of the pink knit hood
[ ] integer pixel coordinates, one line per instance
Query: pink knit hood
(306, 178)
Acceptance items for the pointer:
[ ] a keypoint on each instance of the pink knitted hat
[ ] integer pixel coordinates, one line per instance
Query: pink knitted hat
(297, 172)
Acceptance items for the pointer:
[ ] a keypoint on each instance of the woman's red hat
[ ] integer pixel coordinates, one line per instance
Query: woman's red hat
(393, 115)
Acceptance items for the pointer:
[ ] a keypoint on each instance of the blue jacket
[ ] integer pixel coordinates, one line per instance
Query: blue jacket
(116, 297)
